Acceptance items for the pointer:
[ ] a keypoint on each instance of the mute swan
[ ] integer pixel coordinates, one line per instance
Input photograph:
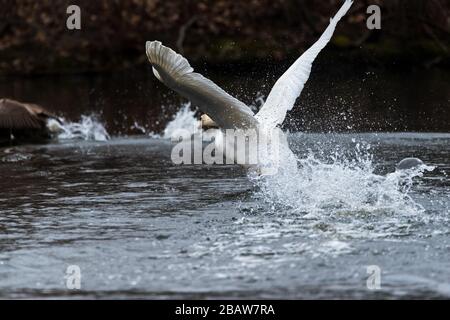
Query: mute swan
(227, 112)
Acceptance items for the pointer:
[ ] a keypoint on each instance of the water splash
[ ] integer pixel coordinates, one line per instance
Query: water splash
(339, 197)
(336, 181)
(184, 119)
(343, 182)
(88, 128)
(138, 127)
(332, 184)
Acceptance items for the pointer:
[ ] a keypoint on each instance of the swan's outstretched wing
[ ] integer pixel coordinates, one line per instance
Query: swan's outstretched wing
(175, 72)
(288, 88)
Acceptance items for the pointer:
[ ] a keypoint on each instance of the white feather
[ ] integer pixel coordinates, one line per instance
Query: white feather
(174, 70)
(290, 85)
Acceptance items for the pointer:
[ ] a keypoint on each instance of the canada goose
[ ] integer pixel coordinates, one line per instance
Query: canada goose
(23, 122)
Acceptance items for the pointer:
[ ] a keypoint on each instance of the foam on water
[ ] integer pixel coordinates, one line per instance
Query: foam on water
(343, 182)
(184, 119)
(88, 128)
(344, 193)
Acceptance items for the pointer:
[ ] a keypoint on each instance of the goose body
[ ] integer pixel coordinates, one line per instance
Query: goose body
(23, 122)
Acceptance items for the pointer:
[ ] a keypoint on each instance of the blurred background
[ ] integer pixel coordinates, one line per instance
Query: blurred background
(393, 79)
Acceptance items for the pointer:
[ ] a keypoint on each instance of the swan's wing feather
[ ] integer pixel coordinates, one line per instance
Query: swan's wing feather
(174, 70)
(290, 85)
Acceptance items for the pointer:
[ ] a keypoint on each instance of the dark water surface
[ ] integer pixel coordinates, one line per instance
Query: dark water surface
(140, 227)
